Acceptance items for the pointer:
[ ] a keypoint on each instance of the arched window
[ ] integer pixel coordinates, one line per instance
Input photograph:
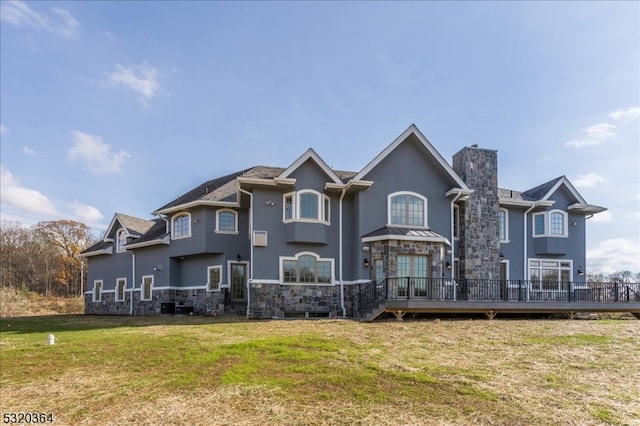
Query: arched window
(550, 224)
(407, 209)
(181, 225)
(227, 221)
(121, 240)
(306, 268)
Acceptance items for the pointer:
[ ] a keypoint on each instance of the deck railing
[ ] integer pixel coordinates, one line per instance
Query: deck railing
(447, 289)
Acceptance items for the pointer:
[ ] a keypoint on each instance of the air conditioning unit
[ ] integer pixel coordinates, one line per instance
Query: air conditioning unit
(260, 238)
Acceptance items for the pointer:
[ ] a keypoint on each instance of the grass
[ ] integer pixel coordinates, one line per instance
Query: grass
(202, 371)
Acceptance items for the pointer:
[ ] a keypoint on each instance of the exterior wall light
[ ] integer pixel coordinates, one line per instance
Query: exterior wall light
(366, 263)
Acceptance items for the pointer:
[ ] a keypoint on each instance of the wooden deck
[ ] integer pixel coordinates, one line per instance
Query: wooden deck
(492, 308)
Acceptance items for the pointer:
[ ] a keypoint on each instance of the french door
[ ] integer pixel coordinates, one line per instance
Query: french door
(413, 276)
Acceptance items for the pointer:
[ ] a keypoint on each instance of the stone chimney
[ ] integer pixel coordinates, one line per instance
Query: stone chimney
(479, 216)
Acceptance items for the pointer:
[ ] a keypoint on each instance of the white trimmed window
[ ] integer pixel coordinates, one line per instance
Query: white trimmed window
(181, 225)
(550, 224)
(306, 268)
(407, 209)
(503, 225)
(121, 285)
(121, 240)
(147, 287)
(306, 205)
(214, 278)
(227, 221)
(97, 290)
(546, 274)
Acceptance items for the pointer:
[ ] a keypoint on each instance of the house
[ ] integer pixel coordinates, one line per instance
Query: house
(308, 240)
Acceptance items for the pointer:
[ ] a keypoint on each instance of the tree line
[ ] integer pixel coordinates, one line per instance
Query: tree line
(44, 258)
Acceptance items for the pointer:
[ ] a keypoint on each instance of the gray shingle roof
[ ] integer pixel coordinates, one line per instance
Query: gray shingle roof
(402, 231)
(156, 232)
(134, 225)
(535, 194)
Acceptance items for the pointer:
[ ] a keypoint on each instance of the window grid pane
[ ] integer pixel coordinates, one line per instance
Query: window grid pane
(227, 221)
(307, 269)
(308, 206)
(289, 271)
(502, 227)
(539, 224)
(181, 226)
(557, 223)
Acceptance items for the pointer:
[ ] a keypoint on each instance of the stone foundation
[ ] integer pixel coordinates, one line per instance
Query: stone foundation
(280, 301)
(203, 302)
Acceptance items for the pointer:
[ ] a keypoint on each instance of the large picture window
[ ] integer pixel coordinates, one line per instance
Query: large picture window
(407, 209)
(548, 275)
(181, 225)
(306, 268)
(306, 205)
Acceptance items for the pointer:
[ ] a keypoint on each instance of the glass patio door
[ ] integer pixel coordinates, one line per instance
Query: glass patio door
(413, 274)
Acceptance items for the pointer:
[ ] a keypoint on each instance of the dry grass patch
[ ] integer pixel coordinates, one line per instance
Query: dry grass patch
(195, 370)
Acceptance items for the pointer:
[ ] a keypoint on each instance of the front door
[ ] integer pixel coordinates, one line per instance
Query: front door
(238, 286)
(414, 273)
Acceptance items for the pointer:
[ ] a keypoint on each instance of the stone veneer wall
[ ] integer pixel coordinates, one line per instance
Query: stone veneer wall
(479, 216)
(204, 302)
(275, 300)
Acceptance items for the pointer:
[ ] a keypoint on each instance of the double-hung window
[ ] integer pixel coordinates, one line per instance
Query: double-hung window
(121, 285)
(306, 268)
(503, 225)
(121, 240)
(147, 287)
(97, 290)
(214, 277)
(407, 209)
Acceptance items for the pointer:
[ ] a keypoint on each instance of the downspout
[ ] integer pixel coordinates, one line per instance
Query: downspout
(453, 245)
(526, 222)
(133, 281)
(344, 310)
(244, 191)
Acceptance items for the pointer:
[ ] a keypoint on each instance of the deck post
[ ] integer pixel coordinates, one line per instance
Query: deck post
(490, 314)
(399, 314)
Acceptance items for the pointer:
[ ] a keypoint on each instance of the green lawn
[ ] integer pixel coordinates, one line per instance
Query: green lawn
(197, 370)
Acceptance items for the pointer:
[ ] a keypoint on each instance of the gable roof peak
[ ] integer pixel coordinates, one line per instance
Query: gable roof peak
(412, 129)
(310, 154)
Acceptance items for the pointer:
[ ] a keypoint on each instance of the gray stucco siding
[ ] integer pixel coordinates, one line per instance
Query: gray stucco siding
(109, 268)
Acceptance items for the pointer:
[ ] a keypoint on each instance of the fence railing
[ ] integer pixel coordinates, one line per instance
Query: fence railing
(406, 288)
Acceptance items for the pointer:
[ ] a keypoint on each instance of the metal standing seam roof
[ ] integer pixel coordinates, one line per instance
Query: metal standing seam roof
(401, 231)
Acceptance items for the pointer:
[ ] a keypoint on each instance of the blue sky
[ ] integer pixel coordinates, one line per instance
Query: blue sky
(121, 106)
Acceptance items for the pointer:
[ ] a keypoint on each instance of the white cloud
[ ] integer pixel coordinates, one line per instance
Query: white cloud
(588, 181)
(141, 79)
(24, 199)
(86, 213)
(627, 114)
(594, 135)
(19, 14)
(96, 153)
(3, 129)
(603, 217)
(28, 151)
(612, 255)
